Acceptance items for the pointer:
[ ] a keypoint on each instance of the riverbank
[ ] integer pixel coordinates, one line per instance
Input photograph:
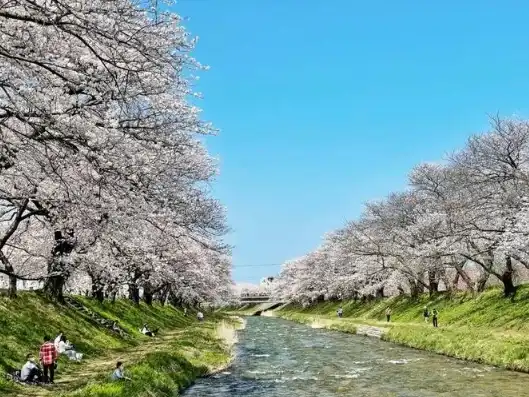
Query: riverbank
(184, 349)
(486, 328)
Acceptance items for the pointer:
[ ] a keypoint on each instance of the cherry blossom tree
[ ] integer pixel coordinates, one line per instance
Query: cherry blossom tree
(460, 224)
(102, 175)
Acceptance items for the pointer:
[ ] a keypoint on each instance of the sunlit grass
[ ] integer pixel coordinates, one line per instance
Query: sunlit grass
(195, 350)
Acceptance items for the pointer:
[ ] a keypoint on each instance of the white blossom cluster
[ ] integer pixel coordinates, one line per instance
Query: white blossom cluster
(462, 224)
(104, 181)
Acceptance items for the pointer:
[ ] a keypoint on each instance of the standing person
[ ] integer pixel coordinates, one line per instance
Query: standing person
(426, 314)
(434, 316)
(48, 358)
(185, 311)
(388, 314)
(340, 312)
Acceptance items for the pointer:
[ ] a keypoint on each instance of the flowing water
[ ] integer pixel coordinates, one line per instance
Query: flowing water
(277, 358)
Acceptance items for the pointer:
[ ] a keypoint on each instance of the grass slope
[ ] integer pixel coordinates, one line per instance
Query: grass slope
(486, 328)
(25, 320)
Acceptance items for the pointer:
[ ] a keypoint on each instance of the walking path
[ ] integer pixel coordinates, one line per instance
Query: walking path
(92, 369)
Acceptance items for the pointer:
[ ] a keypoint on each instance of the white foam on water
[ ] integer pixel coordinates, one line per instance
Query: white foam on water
(346, 376)
(403, 361)
(364, 369)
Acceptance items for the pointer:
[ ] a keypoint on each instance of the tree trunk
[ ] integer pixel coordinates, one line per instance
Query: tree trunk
(54, 287)
(134, 289)
(12, 290)
(401, 290)
(415, 289)
(482, 281)
(134, 293)
(162, 296)
(463, 275)
(509, 288)
(12, 287)
(433, 283)
(379, 293)
(97, 292)
(97, 287)
(147, 295)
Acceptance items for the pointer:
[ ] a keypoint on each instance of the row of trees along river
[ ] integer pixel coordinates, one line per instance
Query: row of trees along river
(103, 178)
(462, 223)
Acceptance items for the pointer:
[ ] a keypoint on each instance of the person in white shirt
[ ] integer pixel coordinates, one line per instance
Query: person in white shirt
(30, 371)
(200, 316)
(66, 348)
(57, 340)
(146, 331)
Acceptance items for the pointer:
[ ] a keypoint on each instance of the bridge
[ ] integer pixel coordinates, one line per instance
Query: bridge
(255, 298)
(263, 302)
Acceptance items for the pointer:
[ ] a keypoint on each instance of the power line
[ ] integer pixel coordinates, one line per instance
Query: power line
(263, 265)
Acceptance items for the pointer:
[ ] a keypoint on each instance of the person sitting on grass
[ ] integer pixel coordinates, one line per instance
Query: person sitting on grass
(66, 348)
(30, 372)
(200, 316)
(340, 312)
(119, 372)
(146, 331)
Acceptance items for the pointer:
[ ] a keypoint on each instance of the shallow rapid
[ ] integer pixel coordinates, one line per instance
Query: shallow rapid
(277, 358)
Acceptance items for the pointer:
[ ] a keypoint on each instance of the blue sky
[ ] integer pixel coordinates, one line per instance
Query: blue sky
(324, 105)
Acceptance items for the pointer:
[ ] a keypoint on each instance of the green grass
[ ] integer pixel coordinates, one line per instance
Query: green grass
(194, 353)
(24, 322)
(486, 328)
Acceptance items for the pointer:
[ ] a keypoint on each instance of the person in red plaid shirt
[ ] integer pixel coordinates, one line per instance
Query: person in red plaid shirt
(48, 357)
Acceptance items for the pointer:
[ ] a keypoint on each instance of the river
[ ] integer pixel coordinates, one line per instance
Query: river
(278, 358)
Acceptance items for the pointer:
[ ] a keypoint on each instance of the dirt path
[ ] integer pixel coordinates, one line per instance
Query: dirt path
(93, 368)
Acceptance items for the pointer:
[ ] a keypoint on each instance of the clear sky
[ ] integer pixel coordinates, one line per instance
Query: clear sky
(324, 105)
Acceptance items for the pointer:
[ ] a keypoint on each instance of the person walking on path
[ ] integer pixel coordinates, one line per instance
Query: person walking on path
(340, 312)
(434, 317)
(48, 359)
(426, 314)
(388, 314)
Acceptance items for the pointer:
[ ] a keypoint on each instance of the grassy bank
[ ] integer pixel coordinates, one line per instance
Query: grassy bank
(486, 328)
(183, 350)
